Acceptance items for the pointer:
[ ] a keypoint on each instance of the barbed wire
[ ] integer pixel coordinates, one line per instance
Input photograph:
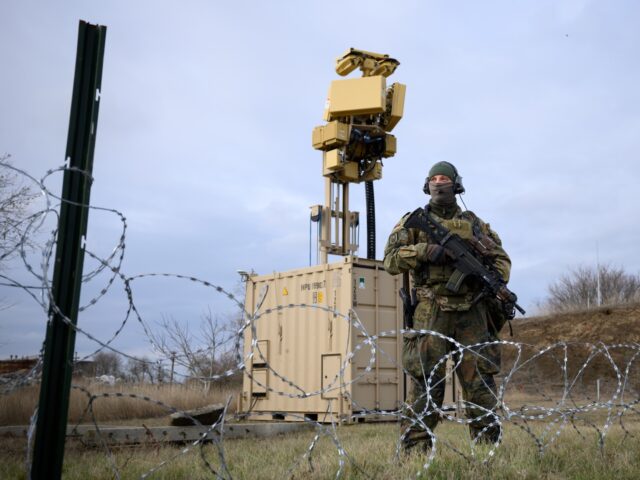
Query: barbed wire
(569, 404)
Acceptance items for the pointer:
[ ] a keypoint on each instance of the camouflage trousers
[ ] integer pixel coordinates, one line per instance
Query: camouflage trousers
(421, 359)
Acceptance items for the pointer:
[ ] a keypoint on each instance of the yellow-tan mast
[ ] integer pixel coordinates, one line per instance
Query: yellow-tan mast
(360, 112)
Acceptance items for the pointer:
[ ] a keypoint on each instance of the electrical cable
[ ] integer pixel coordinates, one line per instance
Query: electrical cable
(371, 220)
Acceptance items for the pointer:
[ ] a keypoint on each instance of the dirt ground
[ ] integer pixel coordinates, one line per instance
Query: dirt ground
(601, 351)
(609, 325)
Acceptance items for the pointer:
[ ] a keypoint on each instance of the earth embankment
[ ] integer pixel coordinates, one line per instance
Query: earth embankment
(576, 350)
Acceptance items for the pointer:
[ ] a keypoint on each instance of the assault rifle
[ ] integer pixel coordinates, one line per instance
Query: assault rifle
(466, 262)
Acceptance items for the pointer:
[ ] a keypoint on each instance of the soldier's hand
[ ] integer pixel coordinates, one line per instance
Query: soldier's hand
(432, 253)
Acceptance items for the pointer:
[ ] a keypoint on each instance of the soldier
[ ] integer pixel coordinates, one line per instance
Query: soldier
(460, 316)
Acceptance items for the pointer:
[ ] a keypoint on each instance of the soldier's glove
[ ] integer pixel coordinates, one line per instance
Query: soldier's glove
(432, 253)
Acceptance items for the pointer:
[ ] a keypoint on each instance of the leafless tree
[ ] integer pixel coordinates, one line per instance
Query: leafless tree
(107, 363)
(15, 198)
(578, 289)
(140, 370)
(202, 354)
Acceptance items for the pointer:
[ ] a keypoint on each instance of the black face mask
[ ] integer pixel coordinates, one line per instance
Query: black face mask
(442, 193)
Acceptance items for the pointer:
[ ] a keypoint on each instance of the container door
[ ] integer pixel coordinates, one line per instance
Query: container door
(260, 382)
(330, 375)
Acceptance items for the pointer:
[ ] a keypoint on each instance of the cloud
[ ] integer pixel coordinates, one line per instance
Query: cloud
(206, 115)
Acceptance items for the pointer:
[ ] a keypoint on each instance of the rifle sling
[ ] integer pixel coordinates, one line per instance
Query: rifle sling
(446, 237)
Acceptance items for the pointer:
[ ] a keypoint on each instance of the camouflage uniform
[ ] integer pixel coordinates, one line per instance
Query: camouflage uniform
(453, 315)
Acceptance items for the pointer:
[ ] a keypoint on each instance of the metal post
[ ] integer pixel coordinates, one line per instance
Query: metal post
(51, 425)
(173, 362)
(346, 248)
(598, 286)
(336, 211)
(325, 222)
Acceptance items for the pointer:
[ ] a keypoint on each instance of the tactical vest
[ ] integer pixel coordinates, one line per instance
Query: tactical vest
(431, 280)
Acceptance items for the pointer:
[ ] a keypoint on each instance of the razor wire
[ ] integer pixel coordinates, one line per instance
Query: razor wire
(570, 406)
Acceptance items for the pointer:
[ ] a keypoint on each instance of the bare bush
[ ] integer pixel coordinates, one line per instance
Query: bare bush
(578, 289)
(202, 354)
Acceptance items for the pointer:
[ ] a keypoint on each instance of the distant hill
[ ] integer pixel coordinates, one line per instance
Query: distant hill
(611, 325)
(618, 324)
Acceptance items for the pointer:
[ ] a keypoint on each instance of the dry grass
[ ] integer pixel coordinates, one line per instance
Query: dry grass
(372, 449)
(17, 407)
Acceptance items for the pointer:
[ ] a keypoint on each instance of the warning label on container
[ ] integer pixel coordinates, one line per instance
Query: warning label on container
(361, 284)
(285, 292)
(318, 297)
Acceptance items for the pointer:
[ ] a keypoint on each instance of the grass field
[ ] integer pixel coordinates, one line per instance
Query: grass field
(370, 448)
(371, 452)
(17, 407)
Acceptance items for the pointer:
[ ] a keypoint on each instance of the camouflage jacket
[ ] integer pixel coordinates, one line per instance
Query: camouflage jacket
(406, 252)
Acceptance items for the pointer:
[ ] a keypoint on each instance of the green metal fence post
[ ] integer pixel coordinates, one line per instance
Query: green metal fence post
(51, 424)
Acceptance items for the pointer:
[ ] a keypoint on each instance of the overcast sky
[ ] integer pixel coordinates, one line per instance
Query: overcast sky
(206, 117)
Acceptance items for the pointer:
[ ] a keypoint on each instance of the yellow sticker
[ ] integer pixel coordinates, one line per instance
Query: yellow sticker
(320, 297)
(285, 292)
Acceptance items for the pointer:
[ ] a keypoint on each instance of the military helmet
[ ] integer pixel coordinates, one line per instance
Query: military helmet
(448, 169)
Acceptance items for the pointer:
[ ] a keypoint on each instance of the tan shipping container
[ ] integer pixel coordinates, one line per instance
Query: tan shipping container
(308, 346)
(305, 335)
